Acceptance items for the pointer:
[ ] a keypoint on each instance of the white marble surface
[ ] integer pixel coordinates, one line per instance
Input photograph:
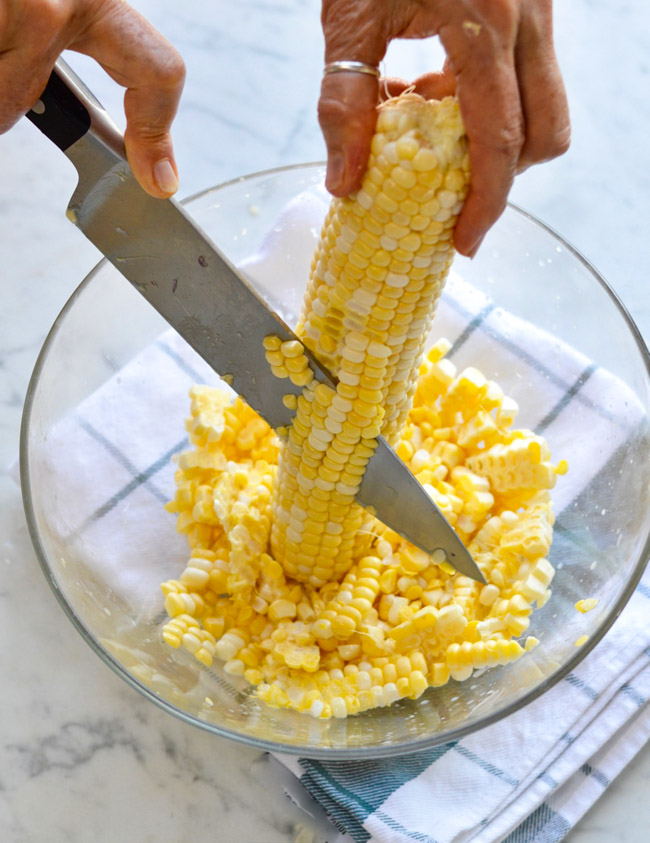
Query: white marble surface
(84, 756)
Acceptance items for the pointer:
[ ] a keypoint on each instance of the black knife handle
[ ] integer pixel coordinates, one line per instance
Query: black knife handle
(59, 113)
(69, 111)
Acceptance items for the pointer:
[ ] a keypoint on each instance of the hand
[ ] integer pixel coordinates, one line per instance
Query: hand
(34, 32)
(500, 64)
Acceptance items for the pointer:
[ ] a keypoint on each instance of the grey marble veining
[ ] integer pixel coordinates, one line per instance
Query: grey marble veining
(83, 756)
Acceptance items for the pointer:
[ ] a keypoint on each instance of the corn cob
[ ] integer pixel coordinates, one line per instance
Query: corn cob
(378, 272)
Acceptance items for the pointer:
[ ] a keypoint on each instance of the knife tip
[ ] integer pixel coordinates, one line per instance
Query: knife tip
(463, 563)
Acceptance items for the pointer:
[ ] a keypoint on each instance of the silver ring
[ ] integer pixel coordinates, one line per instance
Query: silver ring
(351, 67)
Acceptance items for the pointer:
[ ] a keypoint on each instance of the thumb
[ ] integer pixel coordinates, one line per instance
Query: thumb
(435, 86)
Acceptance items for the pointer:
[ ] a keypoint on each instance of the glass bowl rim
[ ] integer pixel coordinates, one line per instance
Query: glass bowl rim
(323, 753)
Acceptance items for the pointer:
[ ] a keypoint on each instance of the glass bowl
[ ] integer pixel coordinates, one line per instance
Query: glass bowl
(529, 312)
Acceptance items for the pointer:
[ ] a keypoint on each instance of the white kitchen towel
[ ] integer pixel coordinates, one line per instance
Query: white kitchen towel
(529, 777)
(526, 778)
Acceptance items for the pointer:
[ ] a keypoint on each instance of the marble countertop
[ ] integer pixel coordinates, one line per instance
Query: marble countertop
(83, 755)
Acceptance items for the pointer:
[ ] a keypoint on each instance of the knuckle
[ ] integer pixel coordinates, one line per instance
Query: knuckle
(499, 19)
(550, 138)
(51, 14)
(333, 112)
(537, 150)
(503, 13)
(171, 72)
(344, 120)
(150, 135)
(537, 22)
(561, 142)
(509, 138)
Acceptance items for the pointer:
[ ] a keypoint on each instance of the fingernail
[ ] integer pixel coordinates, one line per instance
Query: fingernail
(471, 252)
(165, 176)
(335, 171)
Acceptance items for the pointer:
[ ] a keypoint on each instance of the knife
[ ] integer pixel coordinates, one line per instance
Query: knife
(156, 245)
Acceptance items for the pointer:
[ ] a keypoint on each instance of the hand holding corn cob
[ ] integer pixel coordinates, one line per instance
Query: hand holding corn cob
(500, 63)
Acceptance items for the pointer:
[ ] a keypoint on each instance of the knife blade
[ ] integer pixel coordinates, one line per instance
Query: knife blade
(155, 244)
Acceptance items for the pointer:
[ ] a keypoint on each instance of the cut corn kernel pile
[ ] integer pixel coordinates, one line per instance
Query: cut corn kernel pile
(398, 621)
(289, 582)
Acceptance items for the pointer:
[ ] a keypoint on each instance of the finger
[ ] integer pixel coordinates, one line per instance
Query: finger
(348, 101)
(22, 81)
(32, 33)
(431, 86)
(347, 117)
(481, 58)
(136, 56)
(435, 86)
(543, 97)
(392, 86)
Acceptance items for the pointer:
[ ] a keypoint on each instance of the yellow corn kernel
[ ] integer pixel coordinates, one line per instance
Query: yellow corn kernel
(215, 626)
(417, 684)
(254, 676)
(438, 675)
(405, 451)
(343, 626)
(388, 580)
(229, 645)
(281, 609)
